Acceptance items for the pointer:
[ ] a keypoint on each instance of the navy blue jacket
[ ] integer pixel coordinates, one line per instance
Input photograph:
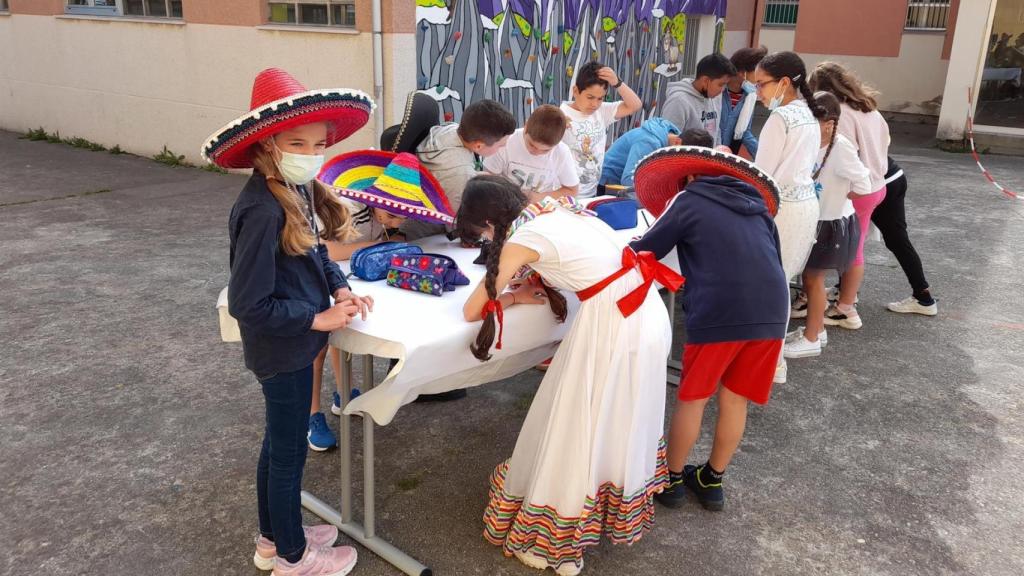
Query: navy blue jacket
(729, 253)
(274, 296)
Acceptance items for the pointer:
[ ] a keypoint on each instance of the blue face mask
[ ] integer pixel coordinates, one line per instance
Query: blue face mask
(749, 86)
(776, 99)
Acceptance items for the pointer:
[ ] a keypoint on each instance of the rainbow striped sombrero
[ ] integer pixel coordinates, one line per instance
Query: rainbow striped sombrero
(395, 183)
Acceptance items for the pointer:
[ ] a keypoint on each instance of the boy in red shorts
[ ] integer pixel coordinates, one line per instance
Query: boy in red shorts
(736, 298)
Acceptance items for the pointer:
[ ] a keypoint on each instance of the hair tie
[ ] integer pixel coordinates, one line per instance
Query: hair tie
(494, 307)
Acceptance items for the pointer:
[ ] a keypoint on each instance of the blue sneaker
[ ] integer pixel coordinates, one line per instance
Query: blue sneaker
(320, 437)
(336, 406)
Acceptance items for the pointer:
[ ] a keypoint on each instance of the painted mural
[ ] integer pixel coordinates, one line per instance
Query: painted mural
(524, 53)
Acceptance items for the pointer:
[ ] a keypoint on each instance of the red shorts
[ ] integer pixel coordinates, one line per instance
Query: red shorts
(745, 368)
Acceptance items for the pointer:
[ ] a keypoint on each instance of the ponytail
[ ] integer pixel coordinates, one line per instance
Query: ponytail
(801, 84)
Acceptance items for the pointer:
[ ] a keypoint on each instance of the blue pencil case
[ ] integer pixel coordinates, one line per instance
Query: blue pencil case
(372, 263)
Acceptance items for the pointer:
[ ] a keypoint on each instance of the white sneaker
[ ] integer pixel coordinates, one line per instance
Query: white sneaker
(799, 333)
(801, 347)
(910, 305)
(780, 371)
(835, 317)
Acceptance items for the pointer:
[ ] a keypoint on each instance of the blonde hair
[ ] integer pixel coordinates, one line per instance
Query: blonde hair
(844, 85)
(296, 236)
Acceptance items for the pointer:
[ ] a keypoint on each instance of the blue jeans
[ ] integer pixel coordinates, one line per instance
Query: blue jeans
(279, 473)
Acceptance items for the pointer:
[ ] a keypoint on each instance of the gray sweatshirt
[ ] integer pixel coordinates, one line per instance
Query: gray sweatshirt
(444, 155)
(687, 108)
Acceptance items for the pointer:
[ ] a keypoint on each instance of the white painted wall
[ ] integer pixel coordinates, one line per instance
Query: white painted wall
(143, 85)
(966, 62)
(734, 40)
(912, 83)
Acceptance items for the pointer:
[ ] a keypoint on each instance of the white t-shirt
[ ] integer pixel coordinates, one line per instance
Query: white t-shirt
(586, 137)
(541, 173)
(843, 173)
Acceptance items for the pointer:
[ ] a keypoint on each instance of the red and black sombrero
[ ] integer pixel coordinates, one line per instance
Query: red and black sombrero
(280, 102)
(662, 174)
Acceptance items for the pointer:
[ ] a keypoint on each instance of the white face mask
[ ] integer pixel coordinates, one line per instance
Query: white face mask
(299, 169)
(776, 99)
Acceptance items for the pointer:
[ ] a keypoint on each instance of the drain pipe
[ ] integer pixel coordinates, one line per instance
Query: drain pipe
(378, 74)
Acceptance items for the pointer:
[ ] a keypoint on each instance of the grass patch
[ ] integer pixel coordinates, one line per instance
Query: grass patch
(54, 138)
(214, 168)
(85, 144)
(116, 150)
(409, 483)
(36, 135)
(958, 147)
(169, 158)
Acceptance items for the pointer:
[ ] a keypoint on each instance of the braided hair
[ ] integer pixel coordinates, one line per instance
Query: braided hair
(495, 200)
(781, 65)
(830, 103)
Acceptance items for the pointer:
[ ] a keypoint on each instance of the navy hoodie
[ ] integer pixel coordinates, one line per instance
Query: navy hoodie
(275, 296)
(729, 253)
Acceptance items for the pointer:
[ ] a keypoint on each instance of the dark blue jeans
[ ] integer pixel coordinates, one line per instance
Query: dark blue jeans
(279, 473)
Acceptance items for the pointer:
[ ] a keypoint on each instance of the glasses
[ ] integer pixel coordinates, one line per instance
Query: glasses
(760, 85)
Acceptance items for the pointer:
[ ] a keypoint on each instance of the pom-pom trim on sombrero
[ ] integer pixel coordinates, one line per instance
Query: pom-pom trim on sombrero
(261, 121)
(658, 174)
(355, 175)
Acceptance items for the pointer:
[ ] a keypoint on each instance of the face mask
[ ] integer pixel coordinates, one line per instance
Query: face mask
(298, 169)
(776, 99)
(749, 86)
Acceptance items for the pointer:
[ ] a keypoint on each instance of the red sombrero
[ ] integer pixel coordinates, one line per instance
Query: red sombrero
(280, 102)
(661, 175)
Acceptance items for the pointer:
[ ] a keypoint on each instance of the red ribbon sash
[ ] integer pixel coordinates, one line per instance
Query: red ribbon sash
(649, 268)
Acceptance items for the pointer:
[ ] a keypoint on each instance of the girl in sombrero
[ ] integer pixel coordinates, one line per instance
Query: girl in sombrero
(589, 457)
(280, 289)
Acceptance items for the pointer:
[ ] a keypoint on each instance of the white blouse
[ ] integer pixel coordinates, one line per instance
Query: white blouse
(788, 148)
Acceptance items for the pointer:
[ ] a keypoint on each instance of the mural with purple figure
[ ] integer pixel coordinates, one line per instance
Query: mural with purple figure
(524, 53)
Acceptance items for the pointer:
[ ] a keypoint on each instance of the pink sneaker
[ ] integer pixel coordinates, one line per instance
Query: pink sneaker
(326, 561)
(316, 536)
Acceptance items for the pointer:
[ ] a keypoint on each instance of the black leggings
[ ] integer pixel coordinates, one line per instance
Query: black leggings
(891, 219)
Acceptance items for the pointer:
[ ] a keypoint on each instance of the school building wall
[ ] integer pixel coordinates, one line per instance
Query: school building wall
(143, 84)
(908, 67)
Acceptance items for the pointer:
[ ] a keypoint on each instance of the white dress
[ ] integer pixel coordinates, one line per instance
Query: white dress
(590, 455)
(787, 149)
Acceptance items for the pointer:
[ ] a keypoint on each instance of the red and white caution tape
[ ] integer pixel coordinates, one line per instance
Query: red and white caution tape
(984, 171)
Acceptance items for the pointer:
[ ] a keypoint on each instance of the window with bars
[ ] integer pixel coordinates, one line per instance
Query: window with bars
(781, 12)
(927, 14)
(340, 13)
(143, 8)
(3, 6)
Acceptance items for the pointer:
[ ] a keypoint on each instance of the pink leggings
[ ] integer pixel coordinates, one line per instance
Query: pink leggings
(864, 206)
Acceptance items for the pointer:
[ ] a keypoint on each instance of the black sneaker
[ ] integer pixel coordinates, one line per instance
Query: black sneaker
(674, 495)
(711, 496)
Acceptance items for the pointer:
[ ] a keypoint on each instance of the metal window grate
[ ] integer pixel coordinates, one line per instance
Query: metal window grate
(927, 14)
(341, 13)
(781, 12)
